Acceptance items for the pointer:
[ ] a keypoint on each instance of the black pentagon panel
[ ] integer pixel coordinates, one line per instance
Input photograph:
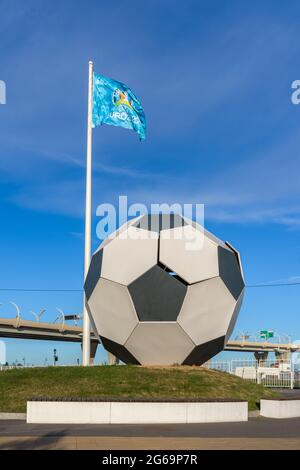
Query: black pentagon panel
(157, 295)
(119, 351)
(158, 222)
(229, 271)
(93, 274)
(235, 316)
(204, 352)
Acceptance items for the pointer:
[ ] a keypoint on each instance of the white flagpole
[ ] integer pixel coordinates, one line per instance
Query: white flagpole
(88, 220)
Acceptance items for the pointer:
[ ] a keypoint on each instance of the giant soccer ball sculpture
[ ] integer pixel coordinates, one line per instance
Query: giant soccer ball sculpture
(164, 291)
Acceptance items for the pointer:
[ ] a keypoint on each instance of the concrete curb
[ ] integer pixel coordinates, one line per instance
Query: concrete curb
(280, 408)
(134, 400)
(118, 412)
(4, 416)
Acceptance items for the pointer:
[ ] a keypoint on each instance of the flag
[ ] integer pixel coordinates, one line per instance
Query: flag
(115, 104)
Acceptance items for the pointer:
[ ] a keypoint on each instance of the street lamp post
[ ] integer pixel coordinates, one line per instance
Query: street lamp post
(55, 357)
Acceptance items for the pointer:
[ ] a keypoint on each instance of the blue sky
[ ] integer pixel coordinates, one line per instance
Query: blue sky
(215, 80)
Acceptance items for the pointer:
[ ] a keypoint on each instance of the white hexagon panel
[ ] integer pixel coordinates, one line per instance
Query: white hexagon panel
(164, 291)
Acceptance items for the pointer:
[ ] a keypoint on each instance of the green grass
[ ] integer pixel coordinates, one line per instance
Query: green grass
(19, 385)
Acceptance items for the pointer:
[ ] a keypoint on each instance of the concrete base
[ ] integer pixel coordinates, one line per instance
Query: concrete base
(280, 408)
(114, 412)
(5, 416)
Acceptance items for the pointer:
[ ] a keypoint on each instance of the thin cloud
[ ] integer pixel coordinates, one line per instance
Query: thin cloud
(221, 73)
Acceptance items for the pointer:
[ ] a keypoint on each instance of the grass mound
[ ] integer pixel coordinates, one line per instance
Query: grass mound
(19, 385)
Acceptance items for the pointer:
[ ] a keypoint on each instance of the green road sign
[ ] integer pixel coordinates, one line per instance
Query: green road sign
(266, 334)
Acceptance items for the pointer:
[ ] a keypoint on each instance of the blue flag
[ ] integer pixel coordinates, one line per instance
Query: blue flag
(115, 104)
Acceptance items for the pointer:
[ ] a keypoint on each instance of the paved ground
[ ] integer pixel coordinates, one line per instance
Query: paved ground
(142, 443)
(257, 433)
(288, 393)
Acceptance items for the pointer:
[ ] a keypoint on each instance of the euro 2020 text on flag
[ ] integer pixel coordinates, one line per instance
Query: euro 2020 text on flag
(115, 104)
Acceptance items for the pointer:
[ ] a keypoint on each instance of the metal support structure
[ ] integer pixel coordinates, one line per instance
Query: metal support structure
(283, 355)
(38, 316)
(18, 313)
(261, 355)
(93, 351)
(112, 360)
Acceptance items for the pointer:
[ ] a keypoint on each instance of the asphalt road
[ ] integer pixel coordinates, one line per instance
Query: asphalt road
(257, 433)
(255, 427)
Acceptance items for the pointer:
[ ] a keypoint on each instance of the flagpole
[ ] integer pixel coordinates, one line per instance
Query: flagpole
(88, 220)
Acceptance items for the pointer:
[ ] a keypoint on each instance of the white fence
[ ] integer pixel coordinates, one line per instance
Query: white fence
(19, 366)
(274, 374)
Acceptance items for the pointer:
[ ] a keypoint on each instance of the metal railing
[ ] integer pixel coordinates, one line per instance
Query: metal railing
(273, 374)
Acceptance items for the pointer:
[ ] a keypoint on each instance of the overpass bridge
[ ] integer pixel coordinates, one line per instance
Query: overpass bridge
(26, 329)
(262, 349)
(258, 346)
